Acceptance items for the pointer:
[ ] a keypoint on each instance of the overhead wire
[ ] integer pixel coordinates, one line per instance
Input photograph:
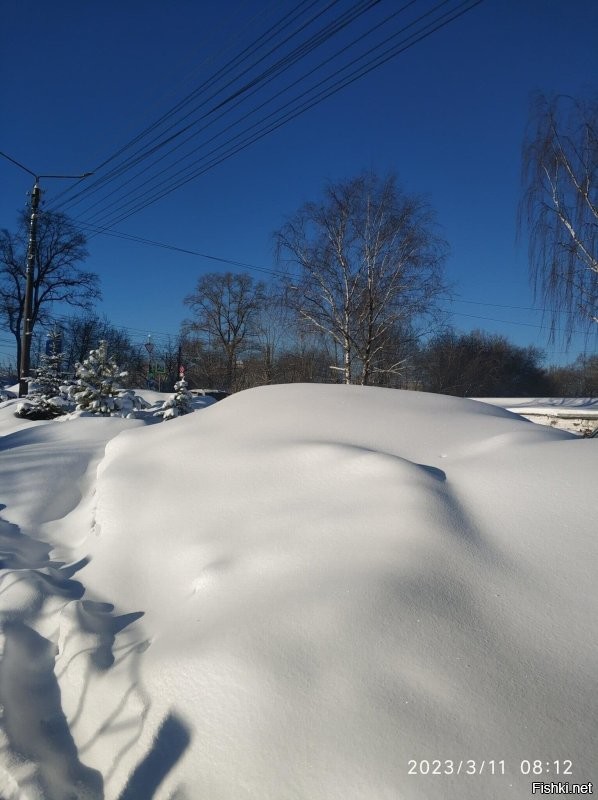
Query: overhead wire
(512, 322)
(248, 51)
(281, 274)
(391, 52)
(145, 332)
(169, 336)
(203, 63)
(253, 111)
(134, 204)
(235, 148)
(242, 93)
(188, 251)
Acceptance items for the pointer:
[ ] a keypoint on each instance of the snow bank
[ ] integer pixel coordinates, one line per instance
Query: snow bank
(302, 591)
(338, 580)
(571, 404)
(574, 414)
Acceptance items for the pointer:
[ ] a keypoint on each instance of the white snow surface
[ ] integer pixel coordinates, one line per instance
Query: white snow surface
(294, 594)
(564, 406)
(574, 414)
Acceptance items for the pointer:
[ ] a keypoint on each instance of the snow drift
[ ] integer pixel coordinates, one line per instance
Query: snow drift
(302, 592)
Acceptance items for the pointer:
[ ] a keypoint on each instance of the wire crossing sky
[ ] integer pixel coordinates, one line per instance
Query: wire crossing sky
(131, 195)
(207, 124)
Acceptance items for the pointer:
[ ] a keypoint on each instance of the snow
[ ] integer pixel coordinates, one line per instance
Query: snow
(574, 414)
(562, 406)
(290, 594)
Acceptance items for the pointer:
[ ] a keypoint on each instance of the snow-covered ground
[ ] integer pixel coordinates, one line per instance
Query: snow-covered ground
(575, 414)
(299, 593)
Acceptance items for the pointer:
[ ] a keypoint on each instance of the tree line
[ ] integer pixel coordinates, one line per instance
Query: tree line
(360, 289)
(269, 350)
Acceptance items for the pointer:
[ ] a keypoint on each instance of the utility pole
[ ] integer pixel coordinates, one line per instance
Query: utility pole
(27, 327)
(27, 319)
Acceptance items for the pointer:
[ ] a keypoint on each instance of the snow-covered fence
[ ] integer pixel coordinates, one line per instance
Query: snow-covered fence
(575, 414)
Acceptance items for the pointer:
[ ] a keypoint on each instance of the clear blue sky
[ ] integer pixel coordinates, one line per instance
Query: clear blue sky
(81, 79)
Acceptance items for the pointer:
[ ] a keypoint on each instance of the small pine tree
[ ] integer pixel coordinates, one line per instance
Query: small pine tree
(96, 390)
(47, 377)
(179, 403)
(46, 399)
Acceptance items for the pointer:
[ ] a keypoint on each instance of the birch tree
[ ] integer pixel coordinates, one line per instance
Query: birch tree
(368, 260)
(560, 208)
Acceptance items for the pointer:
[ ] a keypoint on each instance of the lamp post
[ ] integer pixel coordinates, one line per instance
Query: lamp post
(149, 346)
(27, 321)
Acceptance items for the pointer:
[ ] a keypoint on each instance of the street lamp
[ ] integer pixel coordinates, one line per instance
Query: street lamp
(149, 346)
(27, 329)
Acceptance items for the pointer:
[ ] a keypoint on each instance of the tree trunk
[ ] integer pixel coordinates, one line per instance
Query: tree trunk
(230, 370)
(347, 360)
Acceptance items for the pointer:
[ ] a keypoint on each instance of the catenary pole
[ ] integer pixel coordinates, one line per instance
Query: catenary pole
(27, 327)
(27, 320)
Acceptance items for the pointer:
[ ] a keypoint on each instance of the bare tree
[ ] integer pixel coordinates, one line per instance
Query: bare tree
(226, 308)
(84, 332)
(275, 333)
(560, 207)
(370, 261)
(56, 274)
(579, 379)
(481, 364)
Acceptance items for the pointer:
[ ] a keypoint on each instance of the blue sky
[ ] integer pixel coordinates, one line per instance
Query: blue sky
(79, 80)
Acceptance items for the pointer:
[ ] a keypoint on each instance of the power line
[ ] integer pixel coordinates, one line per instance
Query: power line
(254, 110)
(177, 249)
(303, 102)
(276, 273)
(144, 332)
(511, 322)
(244, 92)
(246, 26)
(18, 164)
(169, 336)
(312, 100)
(498, 305)
(251, 49)
(319, 97)
(282, 274)
(516, 308)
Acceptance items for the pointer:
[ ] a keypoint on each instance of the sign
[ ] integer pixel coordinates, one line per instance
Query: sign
(181, 371)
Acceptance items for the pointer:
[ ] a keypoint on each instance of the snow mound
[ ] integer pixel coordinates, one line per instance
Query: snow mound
(338, 581)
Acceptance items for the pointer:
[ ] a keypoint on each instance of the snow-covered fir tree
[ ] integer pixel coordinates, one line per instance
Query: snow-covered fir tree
(47, 377)
(96, 389)
(46, 397)
(178, 403)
